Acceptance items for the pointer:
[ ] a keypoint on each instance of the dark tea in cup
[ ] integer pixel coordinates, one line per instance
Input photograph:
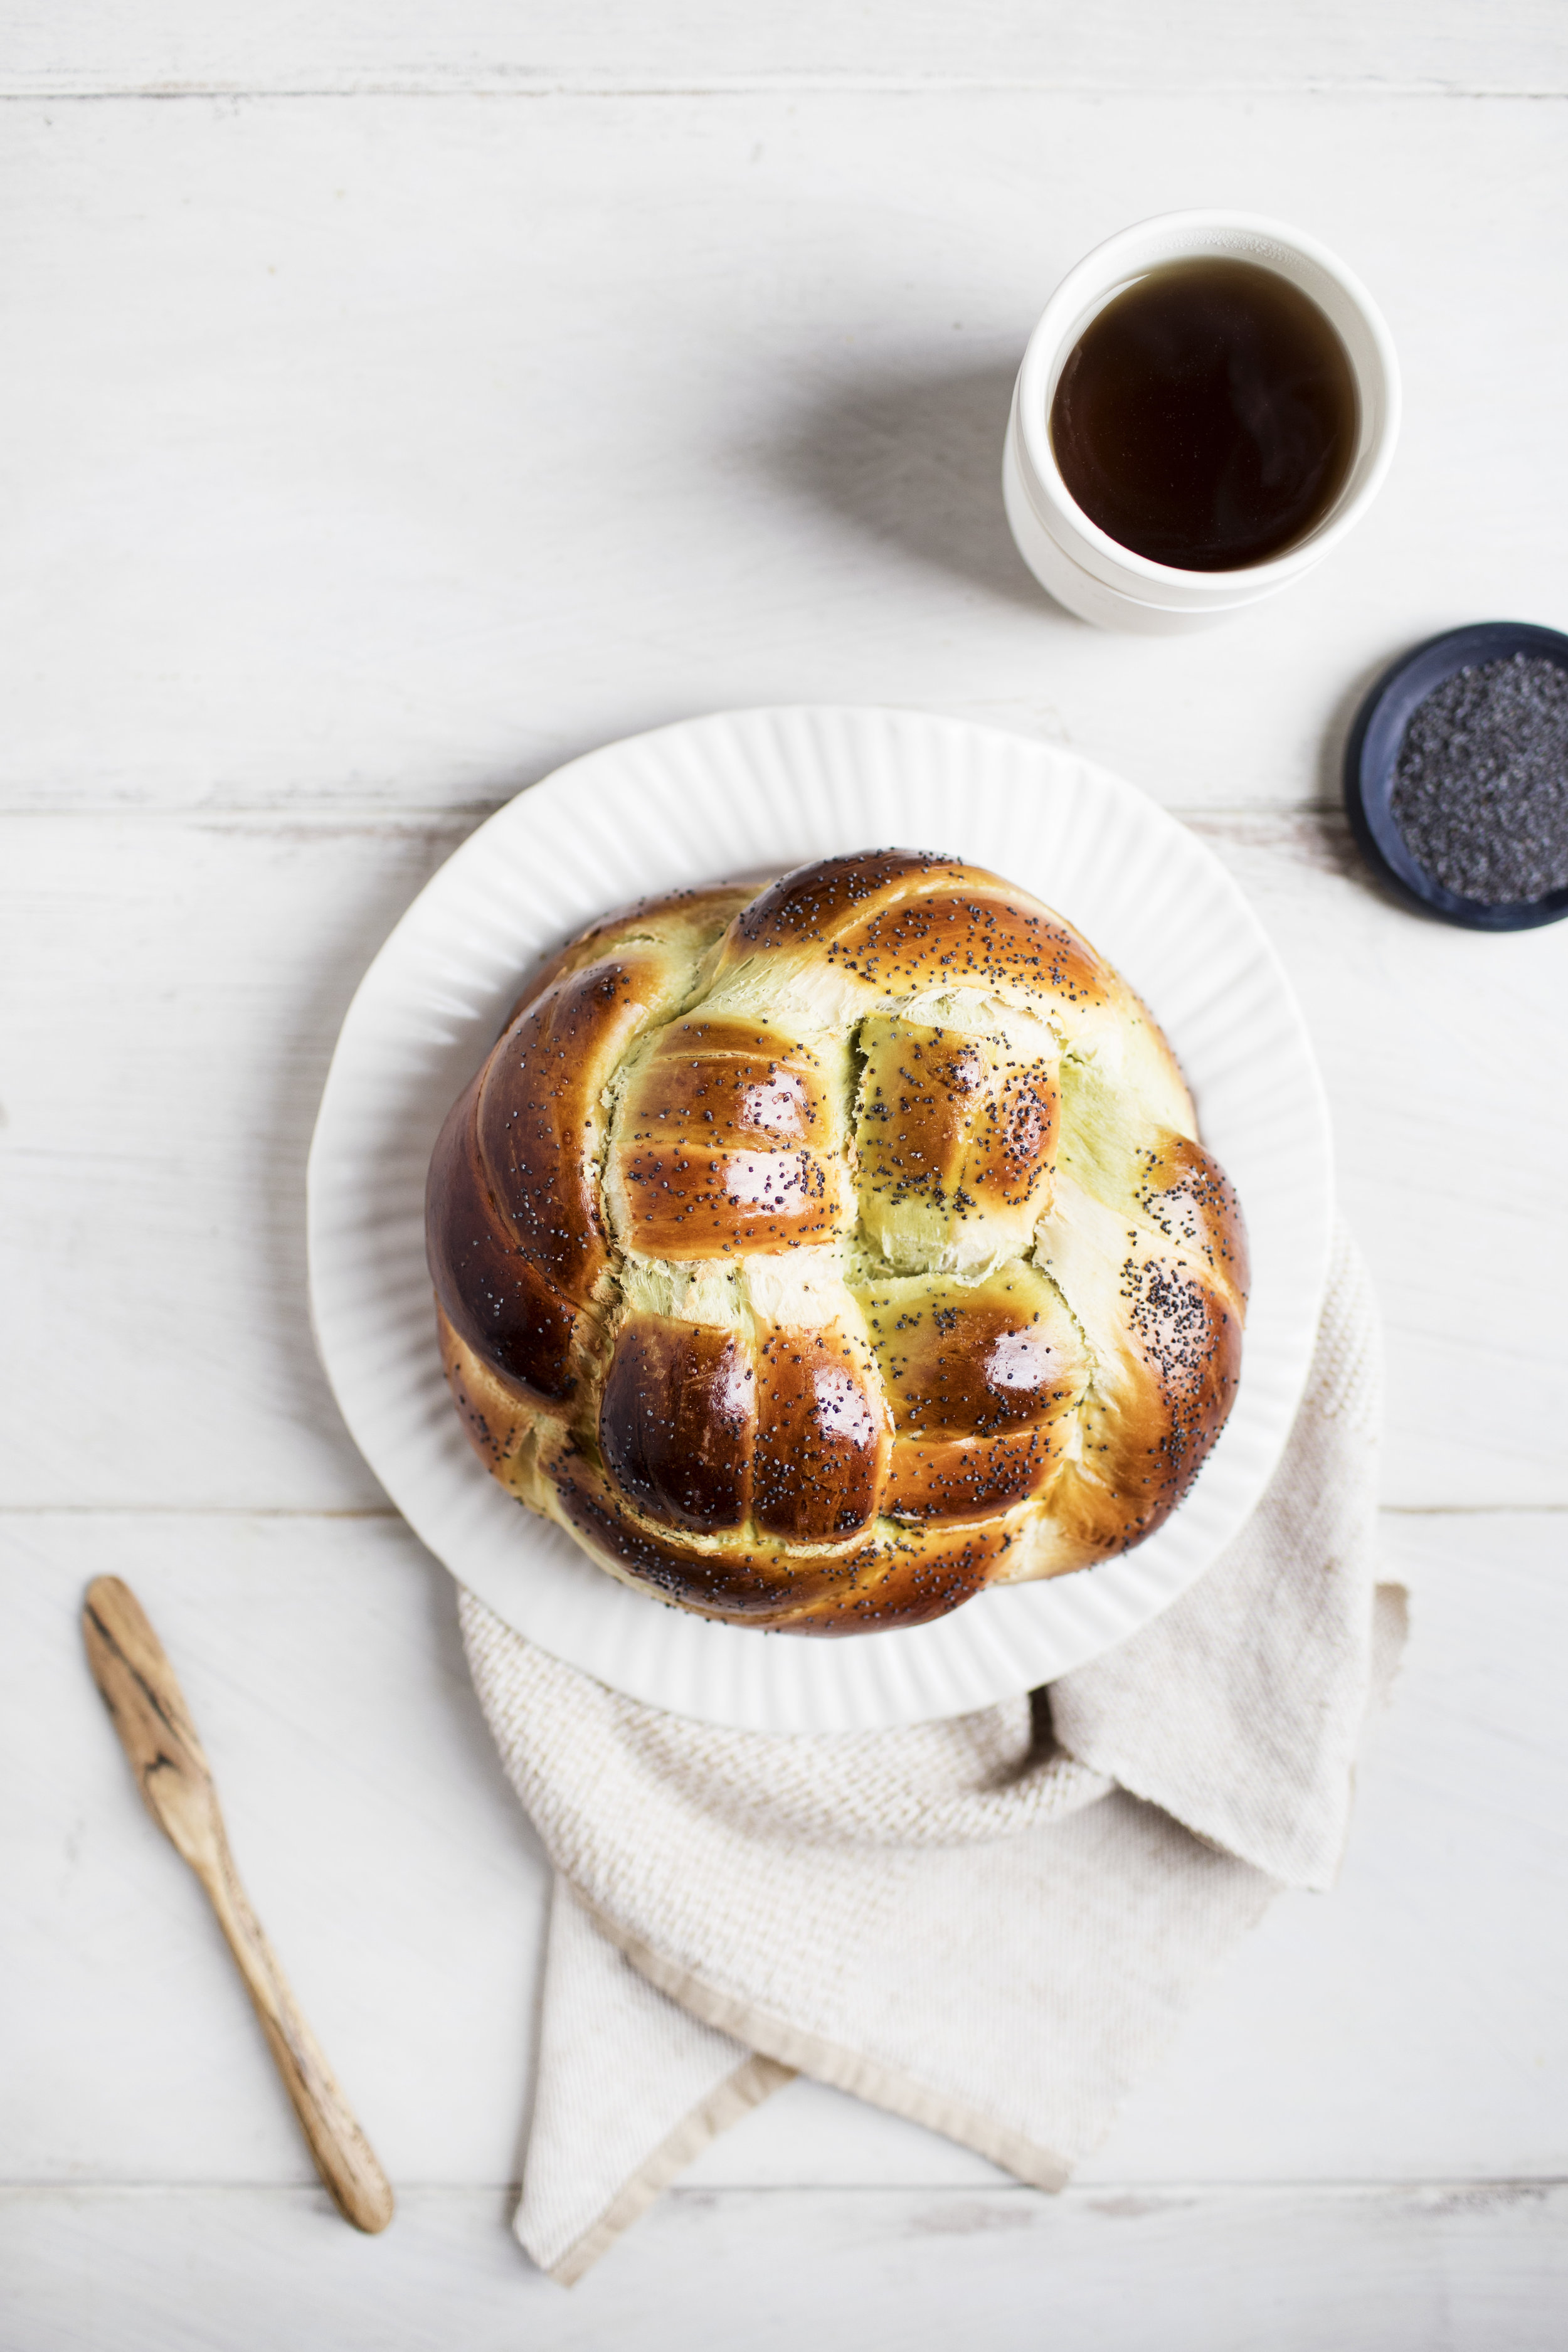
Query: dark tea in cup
(1207, 418)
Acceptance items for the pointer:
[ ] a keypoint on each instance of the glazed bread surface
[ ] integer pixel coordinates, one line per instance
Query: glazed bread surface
(819, 1255)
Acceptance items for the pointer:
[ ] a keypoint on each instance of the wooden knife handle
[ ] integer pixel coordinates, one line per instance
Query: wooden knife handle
(345, 2158)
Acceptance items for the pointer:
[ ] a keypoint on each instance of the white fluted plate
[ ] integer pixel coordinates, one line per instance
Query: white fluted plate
(728, 796)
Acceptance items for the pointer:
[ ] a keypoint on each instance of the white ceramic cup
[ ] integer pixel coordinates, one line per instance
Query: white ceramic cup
(1081, 565)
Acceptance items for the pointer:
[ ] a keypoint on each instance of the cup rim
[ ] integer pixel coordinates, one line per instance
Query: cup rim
(1097, 275)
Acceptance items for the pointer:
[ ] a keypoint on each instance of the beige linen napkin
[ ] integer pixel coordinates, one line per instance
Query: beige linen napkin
(991, 1925)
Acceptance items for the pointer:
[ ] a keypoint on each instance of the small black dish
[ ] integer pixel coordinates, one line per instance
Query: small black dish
(1372, 754)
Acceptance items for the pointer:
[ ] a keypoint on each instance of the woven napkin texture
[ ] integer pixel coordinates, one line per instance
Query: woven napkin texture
(991, 1925)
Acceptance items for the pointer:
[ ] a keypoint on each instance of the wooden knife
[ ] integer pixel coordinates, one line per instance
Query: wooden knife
(131, 1668)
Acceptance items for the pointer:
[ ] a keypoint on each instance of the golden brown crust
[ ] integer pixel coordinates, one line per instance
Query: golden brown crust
(897, 1577)
(968, 1477)
(819, 1257)
(900, 922)
(824, 1436)
(706, 1429)
(1186, 1340)
(958, 1128)
(538, 1113)
(677, 1423)
(727, 1142)
(497, 1296)
(975, 1359)
(496, 1420)
(673, 915)
(1184, 1192)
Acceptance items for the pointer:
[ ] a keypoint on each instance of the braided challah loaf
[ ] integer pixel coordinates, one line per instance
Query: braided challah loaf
(818, 1257)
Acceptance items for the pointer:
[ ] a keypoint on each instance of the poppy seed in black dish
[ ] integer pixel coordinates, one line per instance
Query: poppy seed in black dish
(1480, 787)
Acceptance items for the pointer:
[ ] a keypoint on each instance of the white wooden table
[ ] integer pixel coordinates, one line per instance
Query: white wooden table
(398, 399)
